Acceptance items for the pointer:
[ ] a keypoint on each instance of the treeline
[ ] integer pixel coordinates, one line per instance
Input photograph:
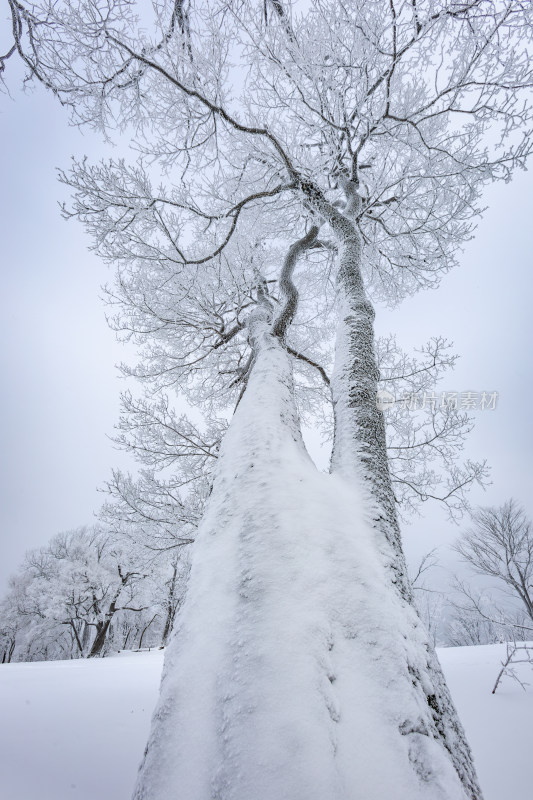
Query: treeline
(87, 593)
(94, 591)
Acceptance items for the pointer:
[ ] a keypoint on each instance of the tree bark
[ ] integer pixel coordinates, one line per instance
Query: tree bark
(8, 652)
(144, 631)
(85, 637)
(359, 446)
(168, 624)
(171, 605)
(102, 627)
(76, 636)
(99, 640)
(360, 456)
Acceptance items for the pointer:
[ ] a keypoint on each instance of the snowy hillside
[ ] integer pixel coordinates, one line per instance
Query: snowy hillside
(77, 729)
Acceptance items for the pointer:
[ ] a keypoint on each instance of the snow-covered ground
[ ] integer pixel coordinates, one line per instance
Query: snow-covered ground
(77, 729)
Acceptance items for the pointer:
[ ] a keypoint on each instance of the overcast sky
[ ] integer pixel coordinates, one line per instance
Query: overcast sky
(60, 387)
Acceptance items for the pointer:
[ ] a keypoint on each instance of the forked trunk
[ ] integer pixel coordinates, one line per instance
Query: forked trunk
(295, 671)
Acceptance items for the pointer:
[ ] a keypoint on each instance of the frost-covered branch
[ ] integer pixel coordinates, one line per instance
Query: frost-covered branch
(499, 543)
(425, 435)
(287, 285)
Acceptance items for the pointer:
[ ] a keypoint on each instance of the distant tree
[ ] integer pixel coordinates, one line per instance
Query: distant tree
(170, 592)
(429, 601)
(9, 630)
(477, 619)
(499, 544)
(466, 627)
(161, 507)
(92, 591)
(64, 599)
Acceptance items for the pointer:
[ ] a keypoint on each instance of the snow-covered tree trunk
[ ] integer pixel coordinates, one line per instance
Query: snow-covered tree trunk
(294, 670)
(236, 679)
(171, 603)
(102, 628)
(360, 457)
(359, 447)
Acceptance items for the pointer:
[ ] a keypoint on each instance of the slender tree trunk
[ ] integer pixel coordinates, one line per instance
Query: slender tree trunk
(359, 447)
(85, 637)
(76, 637)
(8, 653)
(102, 627)
(295, 670)
(168, 624)
(360, 456)
(144, 631)
(125, 642)
(169, 619)
(171, 605)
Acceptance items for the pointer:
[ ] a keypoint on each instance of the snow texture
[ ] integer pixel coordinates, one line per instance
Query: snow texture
(287, 673)
(76, 729)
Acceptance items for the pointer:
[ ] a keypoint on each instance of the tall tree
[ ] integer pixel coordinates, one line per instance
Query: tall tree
(362, 135)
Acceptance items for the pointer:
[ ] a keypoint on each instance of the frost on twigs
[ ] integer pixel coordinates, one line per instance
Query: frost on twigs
(515, 654)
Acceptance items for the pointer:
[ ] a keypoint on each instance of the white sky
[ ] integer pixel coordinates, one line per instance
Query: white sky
(60, 389)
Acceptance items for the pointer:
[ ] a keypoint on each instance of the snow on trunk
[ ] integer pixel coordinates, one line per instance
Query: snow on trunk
(359, 447)
(360, 457)
(286, 677)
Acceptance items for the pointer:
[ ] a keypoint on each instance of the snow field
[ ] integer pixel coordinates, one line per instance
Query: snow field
(77, 729)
